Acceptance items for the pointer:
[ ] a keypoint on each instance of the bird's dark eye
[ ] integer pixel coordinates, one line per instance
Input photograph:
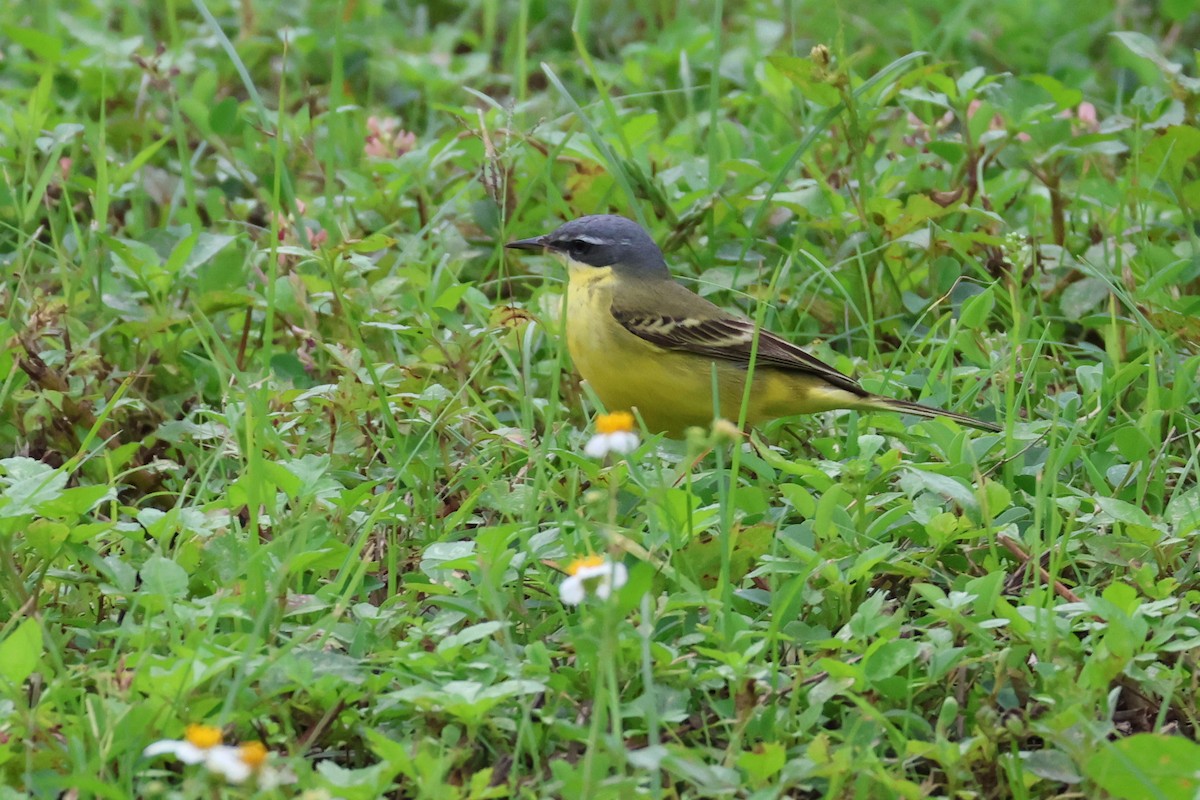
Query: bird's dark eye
(577, 248)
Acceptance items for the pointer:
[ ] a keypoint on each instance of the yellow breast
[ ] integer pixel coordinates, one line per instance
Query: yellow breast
(670, 389)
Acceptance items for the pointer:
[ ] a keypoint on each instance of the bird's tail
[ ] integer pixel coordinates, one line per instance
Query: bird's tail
(929, 412)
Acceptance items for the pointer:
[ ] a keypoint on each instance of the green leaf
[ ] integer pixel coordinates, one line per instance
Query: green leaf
(46, 47)
(763, 762)
(287, 481)
(1064, 96)
(1189, 192)
(20, 652)
(289, 367)
(977, 309)
(941, 527)
(1178, 10)
(472, 633)
(808, 77)
(987, 590)
(46, 536)
(162, 576)
(866, 561)
(1052, 765)
(1183, 511)
(701, 557)
(373, 243)
(889, 658)
(223, 119)
(996, 496)
(1082, 297)
(914, 480)
(450, 298)
(76, 501)
(1147, 765)
(214, 302)
(30, 483)
(800, 499)
(206, 247)
(447, 556)
(1166, 157)
(1144, 47)
(310, 468)
(1123, 596)
(180, 253)
(127, 171)
(1120, 511)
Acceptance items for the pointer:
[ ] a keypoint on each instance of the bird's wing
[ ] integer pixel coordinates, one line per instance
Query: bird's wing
(730, 338)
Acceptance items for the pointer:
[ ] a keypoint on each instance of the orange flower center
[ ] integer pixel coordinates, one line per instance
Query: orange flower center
(584, 563)
(616, 422)
(253, 754)
(203, 736)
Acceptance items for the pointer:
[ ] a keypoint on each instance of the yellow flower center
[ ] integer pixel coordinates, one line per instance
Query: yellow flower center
(253, 754)
(616, 422)
(203, 736)
(584, 563)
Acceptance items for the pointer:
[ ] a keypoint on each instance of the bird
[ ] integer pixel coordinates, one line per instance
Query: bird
(644, 342)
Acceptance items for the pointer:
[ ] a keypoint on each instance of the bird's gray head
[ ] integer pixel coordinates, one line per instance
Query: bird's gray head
(602, 240)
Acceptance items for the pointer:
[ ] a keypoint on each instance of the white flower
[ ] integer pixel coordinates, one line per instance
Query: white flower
(614, 434)
(202, 745)
(592, 575)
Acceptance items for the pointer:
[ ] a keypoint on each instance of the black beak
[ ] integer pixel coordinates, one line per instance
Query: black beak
(536, 243)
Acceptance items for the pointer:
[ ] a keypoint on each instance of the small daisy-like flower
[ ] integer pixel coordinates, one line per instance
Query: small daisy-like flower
(614, 434)
(201, 744)
(594, 575)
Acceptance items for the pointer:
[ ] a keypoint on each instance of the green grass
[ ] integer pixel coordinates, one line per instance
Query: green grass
(289, 445)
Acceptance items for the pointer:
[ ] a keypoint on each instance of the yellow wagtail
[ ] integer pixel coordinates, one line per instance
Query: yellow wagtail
(645, 342)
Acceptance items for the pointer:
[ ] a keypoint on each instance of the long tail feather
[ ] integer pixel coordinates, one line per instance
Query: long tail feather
(929, 412)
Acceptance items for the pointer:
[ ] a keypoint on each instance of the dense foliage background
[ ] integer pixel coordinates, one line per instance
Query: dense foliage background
(290, 445)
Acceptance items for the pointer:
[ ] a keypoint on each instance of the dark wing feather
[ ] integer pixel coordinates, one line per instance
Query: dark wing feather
(731, 339)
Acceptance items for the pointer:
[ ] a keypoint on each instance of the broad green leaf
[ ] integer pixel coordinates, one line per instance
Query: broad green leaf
(450, 298)
(472, 633)
(1144, 47)
(1147, 765)
(205, 248)
(763, 762)
(890, 657)
(914, 480)
(164, 577)
(1167, 157)
(1120, 511)
(1083, 296)
(20, 652)
(1064, 96)
(43, 45)
(976, 310)
(1052, 765)
(448, 555)
(372, 243)
(29, 484)
(127, 171)
(76, 501)
(808, 77)
(283, 478)
(223, 118)
(1183, 511)
(701, 557)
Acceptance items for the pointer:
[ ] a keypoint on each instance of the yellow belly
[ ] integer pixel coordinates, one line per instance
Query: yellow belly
(672, 390)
